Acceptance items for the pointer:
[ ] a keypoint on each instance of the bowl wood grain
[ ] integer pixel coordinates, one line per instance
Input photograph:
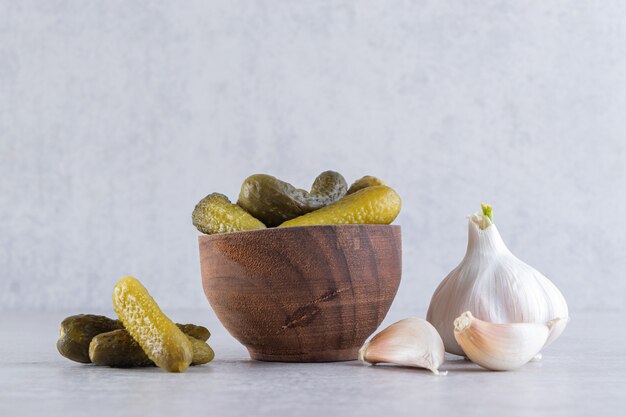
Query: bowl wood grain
(302, 294)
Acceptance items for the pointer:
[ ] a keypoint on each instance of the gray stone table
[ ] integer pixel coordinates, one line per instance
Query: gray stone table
(583, 373)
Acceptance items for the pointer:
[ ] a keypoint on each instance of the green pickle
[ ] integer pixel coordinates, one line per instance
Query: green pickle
(216, 214)
(364, 182)
(195, 331)
(274, 201)
(77, 331)
(117, 349)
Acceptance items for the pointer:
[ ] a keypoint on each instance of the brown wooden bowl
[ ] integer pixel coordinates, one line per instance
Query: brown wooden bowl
(302, 294)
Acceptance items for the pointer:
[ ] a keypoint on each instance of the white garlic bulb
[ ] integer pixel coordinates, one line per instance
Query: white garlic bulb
(409, 342)
(495, 286)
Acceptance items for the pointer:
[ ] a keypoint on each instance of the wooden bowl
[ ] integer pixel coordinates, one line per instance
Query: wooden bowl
(302, 294)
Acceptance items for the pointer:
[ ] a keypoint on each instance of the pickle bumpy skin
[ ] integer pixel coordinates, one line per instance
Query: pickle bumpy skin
(216, 214)
(164, 343)
(372, 205)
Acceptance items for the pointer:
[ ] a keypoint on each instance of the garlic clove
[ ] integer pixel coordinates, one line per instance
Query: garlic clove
(500, 346)
(409, 342)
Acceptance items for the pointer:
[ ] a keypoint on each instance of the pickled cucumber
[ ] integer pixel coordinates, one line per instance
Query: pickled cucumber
(119, 350)
(274, 201)
(202, 352)
(158, 336)
(195, 331)
(77, 331)
(378, 204)
(364, 182)
(216, 214)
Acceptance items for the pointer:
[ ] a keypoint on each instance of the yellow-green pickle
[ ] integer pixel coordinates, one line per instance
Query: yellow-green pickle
(274, 201)
(216, 214)
(202, 352)
(164, 343)
(378, 204)
(77, 332)
(119, 350)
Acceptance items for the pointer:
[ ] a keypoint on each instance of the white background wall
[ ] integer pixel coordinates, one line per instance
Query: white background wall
(117, 116)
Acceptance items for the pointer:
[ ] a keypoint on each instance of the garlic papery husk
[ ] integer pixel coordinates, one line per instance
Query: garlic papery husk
(500, 347)
(556, 328)
(409, 342)
(495, 286)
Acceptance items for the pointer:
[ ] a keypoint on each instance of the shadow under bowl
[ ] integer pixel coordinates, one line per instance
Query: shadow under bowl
(302, 294)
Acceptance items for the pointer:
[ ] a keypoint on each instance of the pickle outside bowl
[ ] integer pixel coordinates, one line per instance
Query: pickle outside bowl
(302, 294)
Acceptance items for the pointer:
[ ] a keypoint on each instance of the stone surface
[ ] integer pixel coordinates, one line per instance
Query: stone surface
(582, 374)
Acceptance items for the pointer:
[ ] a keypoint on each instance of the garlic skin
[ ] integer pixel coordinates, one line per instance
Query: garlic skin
(409, 342)
(500, 347)
(495, 286)
(557, 326)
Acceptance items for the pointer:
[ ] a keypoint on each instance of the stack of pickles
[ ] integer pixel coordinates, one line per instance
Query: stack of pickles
(143, 335)
(266, 201)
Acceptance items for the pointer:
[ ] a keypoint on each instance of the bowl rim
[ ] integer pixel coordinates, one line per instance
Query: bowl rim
(284, 229)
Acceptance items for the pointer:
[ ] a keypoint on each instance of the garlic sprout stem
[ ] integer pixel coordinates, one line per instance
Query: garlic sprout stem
(484, 218)
(487, 210)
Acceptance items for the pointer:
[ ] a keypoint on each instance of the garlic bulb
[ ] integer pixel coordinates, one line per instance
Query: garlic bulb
(495, 286)
(500, 347)
(409, 342)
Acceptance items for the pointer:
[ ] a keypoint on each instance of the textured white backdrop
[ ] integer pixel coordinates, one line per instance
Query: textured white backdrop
(117, 116)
